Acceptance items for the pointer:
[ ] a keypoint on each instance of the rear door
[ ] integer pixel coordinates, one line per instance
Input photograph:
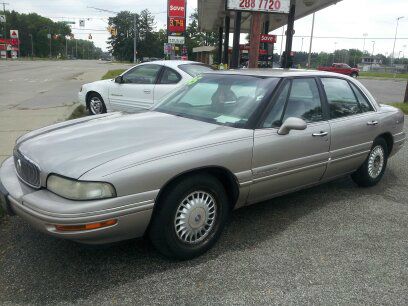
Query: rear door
(282, 163)
(354, 126)
(169, 80)
(137, 89)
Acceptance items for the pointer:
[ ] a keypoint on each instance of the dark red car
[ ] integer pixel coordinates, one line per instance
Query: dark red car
(342, 69)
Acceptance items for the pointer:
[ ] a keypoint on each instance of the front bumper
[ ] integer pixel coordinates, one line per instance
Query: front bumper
(82, 97)
(43, 210)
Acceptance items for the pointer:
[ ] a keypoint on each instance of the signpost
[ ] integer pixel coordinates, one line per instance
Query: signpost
(176, 24)
(2, 18)
(265, 6)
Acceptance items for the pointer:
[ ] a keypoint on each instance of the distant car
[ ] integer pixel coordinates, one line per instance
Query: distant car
(140, 87)
(222, 141)
(342, 69)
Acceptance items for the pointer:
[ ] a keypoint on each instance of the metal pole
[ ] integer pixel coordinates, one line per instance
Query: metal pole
(281, 48)
(226, 39)
(395, 40)
(134, 39)
(5, 29)
(219, 51)
(311, 43)
(235, 43)
(76, 48)
(66, 48)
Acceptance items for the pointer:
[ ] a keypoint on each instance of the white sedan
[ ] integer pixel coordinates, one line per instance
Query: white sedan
(140, 87)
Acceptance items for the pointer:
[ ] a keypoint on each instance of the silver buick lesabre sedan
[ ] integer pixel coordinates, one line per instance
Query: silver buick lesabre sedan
(174, 173)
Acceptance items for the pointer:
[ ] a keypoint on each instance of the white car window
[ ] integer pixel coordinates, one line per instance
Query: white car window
(143, 74)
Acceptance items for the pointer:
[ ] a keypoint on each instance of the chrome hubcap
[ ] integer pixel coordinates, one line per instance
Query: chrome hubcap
(96, 105)
(376, 162)
(195, 217)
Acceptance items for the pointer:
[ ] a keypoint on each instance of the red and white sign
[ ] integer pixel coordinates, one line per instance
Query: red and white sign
(14, 34)
(267, 6)
(267, 38)
(177, 8)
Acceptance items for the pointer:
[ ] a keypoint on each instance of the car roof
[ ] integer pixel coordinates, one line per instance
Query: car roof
(278, 72)
(171, 63)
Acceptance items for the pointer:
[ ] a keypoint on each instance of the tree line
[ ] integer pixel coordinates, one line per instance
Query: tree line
(33, 34)
(150, 41)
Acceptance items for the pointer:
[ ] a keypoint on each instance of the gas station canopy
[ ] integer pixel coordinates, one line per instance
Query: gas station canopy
(211, 14)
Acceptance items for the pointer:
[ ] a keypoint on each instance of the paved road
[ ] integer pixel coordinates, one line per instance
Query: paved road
(386, 91)
(43, 84)
(333, 244)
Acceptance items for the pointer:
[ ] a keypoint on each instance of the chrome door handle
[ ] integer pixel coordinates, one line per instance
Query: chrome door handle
(372, 122)
(321, 134)
(147, 91)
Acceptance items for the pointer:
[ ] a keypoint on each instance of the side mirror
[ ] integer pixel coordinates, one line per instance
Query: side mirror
(292, 123)
(119, 79)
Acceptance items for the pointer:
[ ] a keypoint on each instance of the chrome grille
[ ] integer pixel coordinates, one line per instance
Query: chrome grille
(27, 171)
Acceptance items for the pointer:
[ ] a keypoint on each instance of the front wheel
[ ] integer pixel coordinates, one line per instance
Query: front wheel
(371, 172)
(96, 105)
(190, 217)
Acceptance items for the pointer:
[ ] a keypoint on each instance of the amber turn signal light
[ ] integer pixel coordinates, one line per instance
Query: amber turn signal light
(85, 227)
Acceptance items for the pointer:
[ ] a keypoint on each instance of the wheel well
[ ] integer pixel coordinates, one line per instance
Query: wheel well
(389, 140)
(88, 95)
(225, 177)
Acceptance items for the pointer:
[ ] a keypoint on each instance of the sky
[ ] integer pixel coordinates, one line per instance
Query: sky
(348, 18)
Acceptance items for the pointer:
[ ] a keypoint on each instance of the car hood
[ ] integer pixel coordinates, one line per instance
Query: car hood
(76, 147)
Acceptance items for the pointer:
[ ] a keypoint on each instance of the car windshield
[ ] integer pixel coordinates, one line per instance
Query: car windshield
(195, 69)
(222, 99)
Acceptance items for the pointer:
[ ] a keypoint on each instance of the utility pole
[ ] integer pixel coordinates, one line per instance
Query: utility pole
(5, 30)
(311, 42)
(50, 36)
(134, 39)
(395, 40)
(66, 47)
(32, 45)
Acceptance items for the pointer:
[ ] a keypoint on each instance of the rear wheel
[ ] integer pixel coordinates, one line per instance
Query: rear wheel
(190, 217)
(96, 105)
(354, 75)
(371, 172)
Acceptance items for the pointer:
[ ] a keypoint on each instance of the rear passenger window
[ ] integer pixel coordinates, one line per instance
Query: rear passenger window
(341, 98)
(303, 102)
(169, 76)
(364, 104)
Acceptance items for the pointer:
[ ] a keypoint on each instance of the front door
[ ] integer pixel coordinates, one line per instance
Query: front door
(282, 163)
(137, 89)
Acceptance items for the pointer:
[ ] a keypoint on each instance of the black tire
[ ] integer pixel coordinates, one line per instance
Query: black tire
(354, 75)
(93, 110)
(362, 176)
(163, 232)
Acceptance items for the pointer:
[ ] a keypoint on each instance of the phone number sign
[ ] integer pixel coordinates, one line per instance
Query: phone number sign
(267, 6)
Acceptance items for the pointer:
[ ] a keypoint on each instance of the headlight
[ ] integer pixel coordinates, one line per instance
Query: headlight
(79, 190)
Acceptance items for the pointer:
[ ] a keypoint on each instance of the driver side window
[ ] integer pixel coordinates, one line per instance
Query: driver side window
(299, 98)
(144, 74)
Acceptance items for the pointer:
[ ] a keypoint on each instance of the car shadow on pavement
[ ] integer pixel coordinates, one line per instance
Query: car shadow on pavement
(39, 269)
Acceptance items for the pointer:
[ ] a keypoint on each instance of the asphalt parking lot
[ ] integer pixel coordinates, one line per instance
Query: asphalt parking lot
(333, 244)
